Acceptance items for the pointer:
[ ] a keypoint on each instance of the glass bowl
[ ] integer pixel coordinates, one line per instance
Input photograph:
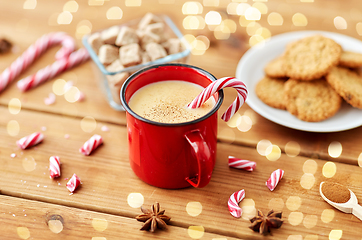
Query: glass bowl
(103, 75)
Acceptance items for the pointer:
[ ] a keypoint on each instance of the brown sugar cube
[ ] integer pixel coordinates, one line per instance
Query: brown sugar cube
(149, 37)
(115, 66)
(155, 51)
(109, 35)
(156, 28)
(173, 45)
(130, 54)
(115, 83)
(108, 53)
(149, 18)
(126, 36)
(95, 41)
(145, 57)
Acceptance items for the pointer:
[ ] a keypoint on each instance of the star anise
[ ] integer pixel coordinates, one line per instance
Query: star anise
(153, 218)
(263, 224)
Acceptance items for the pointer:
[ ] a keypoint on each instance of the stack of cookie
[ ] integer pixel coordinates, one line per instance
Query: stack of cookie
(310, 79)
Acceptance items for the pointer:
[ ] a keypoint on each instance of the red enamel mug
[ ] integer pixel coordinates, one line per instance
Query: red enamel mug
(171, 155)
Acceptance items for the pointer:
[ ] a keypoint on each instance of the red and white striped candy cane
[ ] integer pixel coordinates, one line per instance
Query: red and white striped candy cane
(54, 167)
(233, 203)
(50, 71)
(30, 140)
(216, 86)
(274, 179)
(91, 144)
(241, 164)
(34, 51)
(73, 183)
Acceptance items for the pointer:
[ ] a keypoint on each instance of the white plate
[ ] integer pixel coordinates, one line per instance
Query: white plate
(251, 69)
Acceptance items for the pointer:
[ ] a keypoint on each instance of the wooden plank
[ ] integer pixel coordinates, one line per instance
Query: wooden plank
(26, 219)
(108, 181)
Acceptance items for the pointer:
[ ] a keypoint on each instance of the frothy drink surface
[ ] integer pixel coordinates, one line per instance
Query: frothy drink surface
(166, 102)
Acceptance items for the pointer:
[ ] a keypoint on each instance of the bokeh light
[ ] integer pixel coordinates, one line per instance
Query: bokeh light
(133, 3)
(295, 237)
(340, 23)
(213, 18)
(192, 7)
(274, 153)
(359, 28)
(310, 166)
(292, 149)
(95, 2)
(310, 221)
(14, 106)
(360, 160)
(71, 6)
(58, 86)
(275, 19)
(335, 234)
(194, 208)
(196, 232)
(64, 18)
(114, 13)
(327, 215)
(245, 124)
(248, 208)
(299, 20)
(252, 28)
(193, 22)
(84, 27)
(241, 8)
(293, 203)
(55, 225)
(211, 3)
(99, 224)
(88, 124)
(72, 94)
(263, 9)
(13, 128)
(23, 232)
(329, 169)
(221, 32)
(295, 218)
(135, 200)
(231, 8)
(30, 4)
(307, 181)
(264, 147)
(229, 24)
(335, 149)
(252, 13)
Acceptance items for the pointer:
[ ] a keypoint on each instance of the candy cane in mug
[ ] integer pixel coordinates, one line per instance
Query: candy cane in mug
(34, 51)
(215, 86)
(233, 203)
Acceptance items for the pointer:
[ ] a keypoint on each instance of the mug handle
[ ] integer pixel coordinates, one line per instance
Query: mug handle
(204, 160)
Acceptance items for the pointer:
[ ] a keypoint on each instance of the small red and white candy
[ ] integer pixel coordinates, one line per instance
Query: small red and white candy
(241, 164)
(233, 203)
(54, 166)
(73, 183)
(274, 179)
(31, 140)
(91, 144)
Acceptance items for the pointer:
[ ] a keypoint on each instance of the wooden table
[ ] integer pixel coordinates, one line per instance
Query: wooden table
(33, 206)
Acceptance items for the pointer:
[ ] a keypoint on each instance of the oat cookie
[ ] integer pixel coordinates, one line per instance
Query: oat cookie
(311, 101)
(270, 91)
(274, 68)
(311, 57)
(350, 59)
(348, 84)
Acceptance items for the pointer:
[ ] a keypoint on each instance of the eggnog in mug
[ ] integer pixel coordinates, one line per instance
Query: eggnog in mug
(166, 102)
